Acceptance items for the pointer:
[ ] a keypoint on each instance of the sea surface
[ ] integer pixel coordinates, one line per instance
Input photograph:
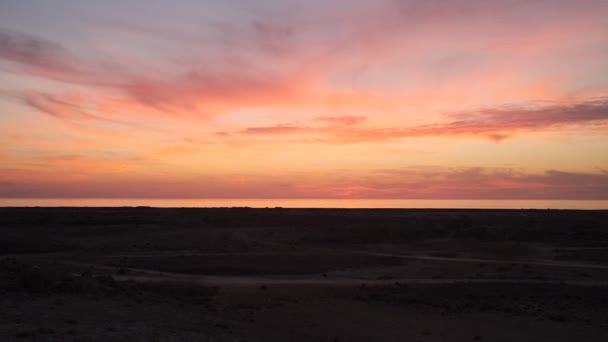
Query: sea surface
(305, 203)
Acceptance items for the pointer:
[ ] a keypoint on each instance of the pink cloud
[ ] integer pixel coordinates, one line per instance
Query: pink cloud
(342, 120)
(200, 90)
(36, 52)
(280, 129)
(413, 183)
(51, 60)
(494, 123)
(62, 107)
(205, 93)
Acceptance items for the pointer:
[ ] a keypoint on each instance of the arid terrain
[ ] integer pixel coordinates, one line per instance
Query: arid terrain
(276, 274)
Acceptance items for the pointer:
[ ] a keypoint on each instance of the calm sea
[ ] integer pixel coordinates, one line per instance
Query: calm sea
(304, 203)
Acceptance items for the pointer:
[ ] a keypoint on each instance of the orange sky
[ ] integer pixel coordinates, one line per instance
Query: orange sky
(304, 99)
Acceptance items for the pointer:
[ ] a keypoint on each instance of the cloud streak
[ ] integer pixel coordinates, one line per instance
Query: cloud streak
(36, 52)
(342, 120)
(199, 90)
(424, 183)
(206, 94)
(494, 123)
(62, 107)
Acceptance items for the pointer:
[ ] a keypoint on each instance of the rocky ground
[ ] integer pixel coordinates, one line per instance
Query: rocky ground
(240, 274)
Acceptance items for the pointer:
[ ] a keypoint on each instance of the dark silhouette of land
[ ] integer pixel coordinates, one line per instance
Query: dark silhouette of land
(241, 274)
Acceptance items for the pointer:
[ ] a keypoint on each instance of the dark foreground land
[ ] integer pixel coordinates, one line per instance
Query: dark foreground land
(145, 274)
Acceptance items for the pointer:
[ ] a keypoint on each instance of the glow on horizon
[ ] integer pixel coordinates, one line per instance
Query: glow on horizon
(304, 99)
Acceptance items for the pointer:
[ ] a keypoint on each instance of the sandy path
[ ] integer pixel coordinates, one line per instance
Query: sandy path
(346, 281)
(148, 275)
(553, 263)
(536, 262)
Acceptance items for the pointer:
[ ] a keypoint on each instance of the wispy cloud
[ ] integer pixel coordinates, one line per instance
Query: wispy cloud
(412, 183)
(342, 120)
(279, 129)
(499, 183)
(62, 107)
(200, 90)
(493, 123)
(205, 93)
(35, 52)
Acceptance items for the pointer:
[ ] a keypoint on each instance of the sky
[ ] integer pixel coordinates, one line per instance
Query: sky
(412, 99)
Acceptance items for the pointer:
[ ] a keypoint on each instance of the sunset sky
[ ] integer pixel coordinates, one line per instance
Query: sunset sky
(454, 99)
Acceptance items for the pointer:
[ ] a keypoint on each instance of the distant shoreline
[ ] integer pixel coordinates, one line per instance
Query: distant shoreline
(299, 208)
(307, 203)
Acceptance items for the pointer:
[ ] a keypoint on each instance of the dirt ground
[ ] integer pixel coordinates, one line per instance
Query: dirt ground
(241, 274)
